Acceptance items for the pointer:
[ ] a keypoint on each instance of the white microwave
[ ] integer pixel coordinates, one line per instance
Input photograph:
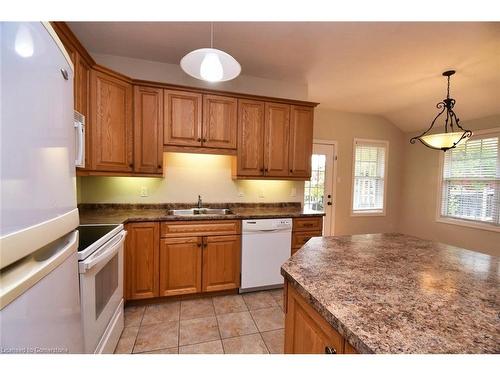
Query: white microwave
(79, 125)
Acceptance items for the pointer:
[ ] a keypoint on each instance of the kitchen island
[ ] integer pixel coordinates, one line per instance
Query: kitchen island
(390, 293)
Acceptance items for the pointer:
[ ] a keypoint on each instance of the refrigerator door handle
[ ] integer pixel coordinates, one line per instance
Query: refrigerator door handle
(32, 269)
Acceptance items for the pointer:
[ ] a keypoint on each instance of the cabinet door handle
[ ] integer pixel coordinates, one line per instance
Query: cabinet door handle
(330, 350)
(131, 165)
(198, 140)
(308, 224)
(204, 139)
(291, 170)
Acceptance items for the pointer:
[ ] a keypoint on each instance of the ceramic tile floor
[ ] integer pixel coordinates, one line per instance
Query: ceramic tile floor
(250, 323)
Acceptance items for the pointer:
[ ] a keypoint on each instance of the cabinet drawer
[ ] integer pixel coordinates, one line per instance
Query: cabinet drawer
(202, 228)
(303, 224)
(300, 238)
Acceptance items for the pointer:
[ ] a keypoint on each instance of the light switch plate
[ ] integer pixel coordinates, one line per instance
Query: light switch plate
(144, 191)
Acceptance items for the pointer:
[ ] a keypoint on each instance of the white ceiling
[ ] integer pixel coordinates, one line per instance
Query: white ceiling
(389, 69)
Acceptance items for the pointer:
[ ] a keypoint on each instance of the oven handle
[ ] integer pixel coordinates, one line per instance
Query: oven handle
(98, 257)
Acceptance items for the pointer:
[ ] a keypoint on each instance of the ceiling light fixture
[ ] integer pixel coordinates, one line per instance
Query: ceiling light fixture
(210, 64)
(453, 132)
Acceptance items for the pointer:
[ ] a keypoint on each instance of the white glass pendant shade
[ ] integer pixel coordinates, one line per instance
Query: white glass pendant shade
(443, 141)
(210, 64)
(211, 68)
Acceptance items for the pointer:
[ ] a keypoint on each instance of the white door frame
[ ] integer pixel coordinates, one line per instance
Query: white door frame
(334, 178)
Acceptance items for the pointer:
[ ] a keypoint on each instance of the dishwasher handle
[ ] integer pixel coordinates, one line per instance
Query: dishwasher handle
(265, 231)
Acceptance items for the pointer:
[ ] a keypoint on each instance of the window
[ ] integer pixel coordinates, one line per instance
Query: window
(369, 175)
(314, 189)
(470, 188)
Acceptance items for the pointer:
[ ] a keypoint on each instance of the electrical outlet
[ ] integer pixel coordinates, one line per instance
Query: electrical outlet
(261, 193)
(293, 192)
(241, 194)
(144, 191)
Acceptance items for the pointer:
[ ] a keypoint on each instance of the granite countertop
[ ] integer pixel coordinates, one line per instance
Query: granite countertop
(393, 293)
(123, 213)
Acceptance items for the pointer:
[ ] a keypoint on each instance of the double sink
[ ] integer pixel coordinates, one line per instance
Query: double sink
(200, 211)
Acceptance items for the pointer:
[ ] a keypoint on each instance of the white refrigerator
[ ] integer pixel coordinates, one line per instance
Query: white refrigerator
(39, 290)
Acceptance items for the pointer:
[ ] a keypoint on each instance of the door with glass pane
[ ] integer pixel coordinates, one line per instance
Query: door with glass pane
(318, 191)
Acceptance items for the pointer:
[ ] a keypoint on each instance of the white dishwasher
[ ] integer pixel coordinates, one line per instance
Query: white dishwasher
(266, 245)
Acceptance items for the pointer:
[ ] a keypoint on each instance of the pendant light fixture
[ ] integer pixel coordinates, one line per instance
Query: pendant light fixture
(453, 132)
(210, 64)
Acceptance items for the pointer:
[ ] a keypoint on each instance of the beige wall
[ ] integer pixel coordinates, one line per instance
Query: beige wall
(186, 177)
(343, 127)
(418, 210)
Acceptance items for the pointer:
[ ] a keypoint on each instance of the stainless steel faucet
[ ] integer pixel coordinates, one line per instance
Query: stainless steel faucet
(200, 203)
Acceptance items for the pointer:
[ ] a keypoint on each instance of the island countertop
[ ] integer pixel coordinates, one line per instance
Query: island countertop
(394, 293)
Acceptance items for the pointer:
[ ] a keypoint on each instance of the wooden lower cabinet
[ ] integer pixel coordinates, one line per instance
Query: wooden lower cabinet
(300, 238)
(348, 348)
(306, 332)
(180, 265)
(304, 228)
(221, 263)
(142, 260)
(181, 257)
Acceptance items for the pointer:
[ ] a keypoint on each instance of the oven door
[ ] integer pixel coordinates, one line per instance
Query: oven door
(101, 289)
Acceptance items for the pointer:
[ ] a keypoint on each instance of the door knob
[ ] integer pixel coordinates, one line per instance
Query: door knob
(329, 203)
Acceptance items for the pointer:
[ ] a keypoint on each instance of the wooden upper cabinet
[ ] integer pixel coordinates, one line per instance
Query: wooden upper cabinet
(142, 260)
(148, 130)
(219, 121)
(251, 118)
(180, 265)
(182, 118)
(81, 91)
(276, 139)
(82, 102)
(221, 263)
(301, 140)
(81, 86)
(111, 118)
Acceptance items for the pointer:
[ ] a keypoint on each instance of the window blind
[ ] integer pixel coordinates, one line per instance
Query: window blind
(471, 180)
(369, 176)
